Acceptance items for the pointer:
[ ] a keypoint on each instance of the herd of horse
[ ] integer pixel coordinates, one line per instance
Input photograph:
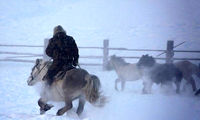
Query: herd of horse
(163, 74)
(80, 84)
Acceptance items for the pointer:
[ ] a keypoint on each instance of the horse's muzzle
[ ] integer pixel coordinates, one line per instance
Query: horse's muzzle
(29, 81)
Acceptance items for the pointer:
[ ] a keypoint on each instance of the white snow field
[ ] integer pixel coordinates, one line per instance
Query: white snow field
(126, 23)
(19, 101)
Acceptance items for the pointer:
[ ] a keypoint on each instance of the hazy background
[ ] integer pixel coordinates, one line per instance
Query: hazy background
(126, 23)
(131, 22)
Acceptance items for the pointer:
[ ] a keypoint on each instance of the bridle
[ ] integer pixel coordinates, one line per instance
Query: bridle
(38, 70)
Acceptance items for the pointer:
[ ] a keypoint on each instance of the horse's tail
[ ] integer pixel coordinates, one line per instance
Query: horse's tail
(92, 91)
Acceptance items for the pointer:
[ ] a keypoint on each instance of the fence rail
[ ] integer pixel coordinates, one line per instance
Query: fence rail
(169, 53)
(33, 61)
(110, 48)
(19, 53)
(89, 57)
(4, 45)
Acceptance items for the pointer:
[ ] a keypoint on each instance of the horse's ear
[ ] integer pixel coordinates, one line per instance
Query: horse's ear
(37, 61)
(113, 56)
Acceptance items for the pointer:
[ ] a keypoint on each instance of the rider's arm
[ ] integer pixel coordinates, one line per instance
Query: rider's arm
(75, 52)
(50, 48)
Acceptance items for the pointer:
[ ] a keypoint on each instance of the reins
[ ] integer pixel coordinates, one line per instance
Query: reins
(41, 69)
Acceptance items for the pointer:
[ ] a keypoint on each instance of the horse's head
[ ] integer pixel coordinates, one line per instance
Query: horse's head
(115, 61)
(109, 65)
(37, 73)
(146, 61)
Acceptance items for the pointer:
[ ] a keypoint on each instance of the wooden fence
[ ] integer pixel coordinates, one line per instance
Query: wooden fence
(105, 56)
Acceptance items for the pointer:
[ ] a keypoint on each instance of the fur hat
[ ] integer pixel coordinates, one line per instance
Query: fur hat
(58, 29)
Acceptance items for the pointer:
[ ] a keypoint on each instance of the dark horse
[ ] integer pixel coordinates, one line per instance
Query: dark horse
(159, 73)
(75, 84)
(125, 71)
(188, 69)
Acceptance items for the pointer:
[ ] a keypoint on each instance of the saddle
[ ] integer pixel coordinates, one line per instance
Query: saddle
(60, 75)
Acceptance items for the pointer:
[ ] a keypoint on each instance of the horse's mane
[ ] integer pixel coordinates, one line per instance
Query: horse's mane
(39, 61)
(120, 60)
(147, 61)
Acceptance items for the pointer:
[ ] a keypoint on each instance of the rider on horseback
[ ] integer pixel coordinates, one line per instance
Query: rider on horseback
(64, 52)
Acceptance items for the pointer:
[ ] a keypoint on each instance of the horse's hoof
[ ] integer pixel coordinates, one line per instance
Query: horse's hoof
(42, 111)
(78, 113)
(116, 89)
(177, 92)
(47, 107)
(196, 94)
(60, 112)
(145, 92)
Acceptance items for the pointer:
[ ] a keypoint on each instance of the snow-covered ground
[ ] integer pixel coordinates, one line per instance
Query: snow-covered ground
(19, 101)
(127, 23)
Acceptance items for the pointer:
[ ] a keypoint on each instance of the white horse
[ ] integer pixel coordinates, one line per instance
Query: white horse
(124, 70)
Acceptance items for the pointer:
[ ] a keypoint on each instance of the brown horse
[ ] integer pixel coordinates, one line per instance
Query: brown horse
(75, 84)
(188, 69)
(124, 70)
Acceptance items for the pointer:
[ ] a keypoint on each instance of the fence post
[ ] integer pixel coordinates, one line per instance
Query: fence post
(169, 51)
(45, 57)
(105, 53)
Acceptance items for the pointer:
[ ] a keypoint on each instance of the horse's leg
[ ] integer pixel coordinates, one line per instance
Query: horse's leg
(147, 87)
(144, 90)
(116, 81)
(80, 105)
(122, 85)
(68, 105)
(179, 77)
(150, 86)
(185, 85)
(167, 85)
(178, 84)
(192, 82)
(44, 106)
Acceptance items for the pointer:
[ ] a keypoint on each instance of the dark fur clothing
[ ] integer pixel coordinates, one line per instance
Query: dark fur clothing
(64, 52)
(62, 47)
